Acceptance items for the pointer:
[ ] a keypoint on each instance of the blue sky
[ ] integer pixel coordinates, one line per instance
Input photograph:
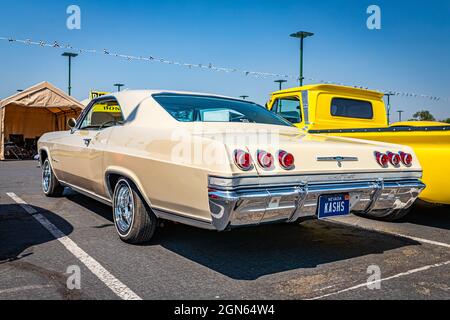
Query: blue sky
(410, 53)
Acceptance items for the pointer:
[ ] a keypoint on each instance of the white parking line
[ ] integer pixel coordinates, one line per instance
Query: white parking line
(96, 268)
(383, 280)
(420, 240)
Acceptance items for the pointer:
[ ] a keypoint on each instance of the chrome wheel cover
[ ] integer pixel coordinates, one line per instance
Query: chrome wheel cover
(46, 176)
(123, 207)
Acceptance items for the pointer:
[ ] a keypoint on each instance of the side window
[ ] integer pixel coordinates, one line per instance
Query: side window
(103, 114)
(350, 108)
(288, 108)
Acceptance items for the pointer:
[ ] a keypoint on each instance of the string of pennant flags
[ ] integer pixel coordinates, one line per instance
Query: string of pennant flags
(208, 66)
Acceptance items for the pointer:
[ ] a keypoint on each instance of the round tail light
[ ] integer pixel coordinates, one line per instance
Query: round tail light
(406, 158)
(394, 159)
(265, 159)
(382, 159)
(243, 160)
(286, 160)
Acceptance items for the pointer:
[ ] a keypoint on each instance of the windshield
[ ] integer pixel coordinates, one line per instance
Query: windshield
(192, 108)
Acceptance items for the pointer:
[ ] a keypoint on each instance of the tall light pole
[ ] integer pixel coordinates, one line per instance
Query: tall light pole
(70, 55)
(301, 35)
(243, 97)
(400, 115)
(118, 85)
(388, 95)
(280, 82)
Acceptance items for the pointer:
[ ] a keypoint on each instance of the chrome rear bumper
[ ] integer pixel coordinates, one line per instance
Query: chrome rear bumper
(252, 206)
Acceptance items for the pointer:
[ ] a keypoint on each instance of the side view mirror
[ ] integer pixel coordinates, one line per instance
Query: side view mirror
(72, 123)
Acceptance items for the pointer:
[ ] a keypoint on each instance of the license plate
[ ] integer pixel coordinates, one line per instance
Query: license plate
(334, 205)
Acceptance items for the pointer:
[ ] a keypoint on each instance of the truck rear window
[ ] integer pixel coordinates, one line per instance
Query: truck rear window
(349, 108)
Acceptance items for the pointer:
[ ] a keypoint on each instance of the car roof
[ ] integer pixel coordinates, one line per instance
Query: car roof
(148, 93)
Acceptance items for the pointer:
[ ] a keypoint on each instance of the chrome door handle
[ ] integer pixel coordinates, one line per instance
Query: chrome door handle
(87, 142)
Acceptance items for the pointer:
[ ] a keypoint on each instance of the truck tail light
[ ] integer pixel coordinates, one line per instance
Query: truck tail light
(394, 159)
(382, 159)
(243, 160)
(406, 158)
(265, 159)
(286, 160)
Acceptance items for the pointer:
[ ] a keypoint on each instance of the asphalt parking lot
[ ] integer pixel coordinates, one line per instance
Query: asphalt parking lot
(313, 260)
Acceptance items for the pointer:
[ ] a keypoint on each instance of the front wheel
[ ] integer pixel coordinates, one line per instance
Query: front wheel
(135, 222)
(50, 184)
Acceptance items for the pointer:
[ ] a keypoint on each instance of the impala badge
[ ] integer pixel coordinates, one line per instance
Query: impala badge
(339, 160)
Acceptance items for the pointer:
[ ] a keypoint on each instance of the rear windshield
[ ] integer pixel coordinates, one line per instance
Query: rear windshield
(350, 108)
(191, 108)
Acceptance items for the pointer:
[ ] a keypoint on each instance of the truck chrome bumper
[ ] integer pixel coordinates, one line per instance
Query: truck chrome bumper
(253, 206)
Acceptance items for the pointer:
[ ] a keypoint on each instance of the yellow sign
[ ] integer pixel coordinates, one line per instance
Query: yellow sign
(95, 94)
(106, 108)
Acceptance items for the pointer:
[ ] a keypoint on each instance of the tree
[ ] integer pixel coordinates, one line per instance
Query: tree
(446, 120)
(423, 115)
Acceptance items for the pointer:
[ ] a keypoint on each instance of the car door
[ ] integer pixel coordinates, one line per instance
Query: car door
(84, 150)
(289, 107)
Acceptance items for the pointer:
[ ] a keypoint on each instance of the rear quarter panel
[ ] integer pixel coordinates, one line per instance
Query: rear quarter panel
(165, 169)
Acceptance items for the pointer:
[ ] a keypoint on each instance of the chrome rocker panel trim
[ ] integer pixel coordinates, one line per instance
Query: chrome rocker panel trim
(87, 193)
(256, 205)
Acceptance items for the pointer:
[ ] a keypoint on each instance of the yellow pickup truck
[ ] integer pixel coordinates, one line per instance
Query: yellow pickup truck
(358, 113)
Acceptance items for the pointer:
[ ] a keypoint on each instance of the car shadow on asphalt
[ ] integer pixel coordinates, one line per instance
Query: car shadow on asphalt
(20, 232)
(250, 253)
(430, 215)
(92, 205)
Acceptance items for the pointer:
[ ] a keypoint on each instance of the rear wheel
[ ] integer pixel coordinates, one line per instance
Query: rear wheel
(134, 220)
(50, 184)
(388, 216)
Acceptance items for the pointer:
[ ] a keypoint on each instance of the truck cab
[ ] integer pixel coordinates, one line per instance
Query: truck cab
(330, 107)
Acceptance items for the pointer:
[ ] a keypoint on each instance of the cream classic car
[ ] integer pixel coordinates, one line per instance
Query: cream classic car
(218, 163)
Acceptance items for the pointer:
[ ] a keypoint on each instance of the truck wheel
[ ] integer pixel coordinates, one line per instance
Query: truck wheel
(135, 222)
(390, 217)
(50, 185)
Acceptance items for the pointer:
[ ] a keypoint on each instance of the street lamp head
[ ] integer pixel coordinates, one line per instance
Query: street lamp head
(70, 54)
(302, 34)
(244, 97)
(119, 85)
(280, 82)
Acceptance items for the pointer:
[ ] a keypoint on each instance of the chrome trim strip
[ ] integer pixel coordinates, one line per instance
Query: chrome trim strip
(242, 181)
(87, 193)
(389, 129)
(195, 222)
(337, 159)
